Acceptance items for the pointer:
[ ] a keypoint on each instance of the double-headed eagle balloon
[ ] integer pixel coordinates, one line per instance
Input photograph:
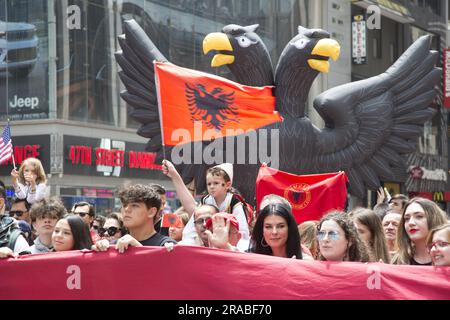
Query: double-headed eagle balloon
(369, 124)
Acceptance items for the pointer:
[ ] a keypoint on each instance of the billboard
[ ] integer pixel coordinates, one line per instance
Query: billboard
(109, 158)
(447, 78)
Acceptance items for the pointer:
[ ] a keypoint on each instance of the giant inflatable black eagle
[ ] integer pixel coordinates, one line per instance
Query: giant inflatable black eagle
(369, 124)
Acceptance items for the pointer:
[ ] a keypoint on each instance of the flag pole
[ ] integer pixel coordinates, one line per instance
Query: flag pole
(12, 149)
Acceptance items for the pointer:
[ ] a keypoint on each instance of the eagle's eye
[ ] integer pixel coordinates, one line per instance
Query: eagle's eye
(244, 42)
(300, 43)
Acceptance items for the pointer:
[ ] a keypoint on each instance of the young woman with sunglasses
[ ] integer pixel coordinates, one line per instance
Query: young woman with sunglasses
(419, 217)
(111, 231)
(438, 245)
(338, 239)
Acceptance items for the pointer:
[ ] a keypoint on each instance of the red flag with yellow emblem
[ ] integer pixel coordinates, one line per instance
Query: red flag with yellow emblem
(195, 105)
(311, 196)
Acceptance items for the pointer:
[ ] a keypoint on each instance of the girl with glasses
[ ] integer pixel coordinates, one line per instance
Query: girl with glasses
(111, 231)
(438, 244)
(113, 228)
(419, 217)
(338, 239)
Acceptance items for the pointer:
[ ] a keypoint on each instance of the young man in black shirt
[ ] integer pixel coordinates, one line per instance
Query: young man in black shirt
(140, 205)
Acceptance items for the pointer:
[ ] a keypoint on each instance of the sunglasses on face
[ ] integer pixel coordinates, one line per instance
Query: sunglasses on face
(81, 214)
(109, 232)
(201, 221)
(17, 213)
(332, 235)
(438, 245)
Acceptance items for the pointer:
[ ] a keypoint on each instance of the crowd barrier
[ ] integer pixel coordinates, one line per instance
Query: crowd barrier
(196, 273)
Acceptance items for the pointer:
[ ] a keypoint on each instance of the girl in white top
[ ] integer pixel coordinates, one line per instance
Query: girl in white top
(30, 181)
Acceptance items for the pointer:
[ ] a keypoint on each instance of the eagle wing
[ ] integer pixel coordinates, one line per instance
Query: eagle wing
(137, 74)
(371, 124)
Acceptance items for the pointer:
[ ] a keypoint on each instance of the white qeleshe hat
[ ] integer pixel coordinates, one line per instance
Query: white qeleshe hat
(228, 168)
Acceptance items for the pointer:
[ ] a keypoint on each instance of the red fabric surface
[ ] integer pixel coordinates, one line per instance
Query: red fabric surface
(316, 193)
(199, 273)
(249, 107)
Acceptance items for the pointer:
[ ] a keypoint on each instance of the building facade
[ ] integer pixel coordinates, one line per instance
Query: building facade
(66, 109)
(401, 23)
(61, 93)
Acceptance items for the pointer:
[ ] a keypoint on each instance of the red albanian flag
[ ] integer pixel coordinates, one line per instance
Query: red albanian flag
(311, 196)
(195, 105)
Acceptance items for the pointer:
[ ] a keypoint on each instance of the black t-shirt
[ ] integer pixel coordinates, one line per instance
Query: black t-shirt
(157, 240)
(415, 263)
(162, 230)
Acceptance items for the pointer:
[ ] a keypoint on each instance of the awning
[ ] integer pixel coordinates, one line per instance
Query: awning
(388, 9)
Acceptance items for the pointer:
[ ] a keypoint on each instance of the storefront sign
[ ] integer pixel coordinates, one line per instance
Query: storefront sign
(359, 55)
(416, 173)
(27, 147)
(426, 195)
(438, 196)
(98, 192)
(107, 157)
(441, 196)
(447, 78)
(85, 155)
(424, 173)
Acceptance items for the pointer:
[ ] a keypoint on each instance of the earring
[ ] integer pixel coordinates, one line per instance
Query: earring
(264, 243)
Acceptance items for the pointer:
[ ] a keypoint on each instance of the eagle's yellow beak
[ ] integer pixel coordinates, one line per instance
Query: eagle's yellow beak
(220, 42)
(326, 48)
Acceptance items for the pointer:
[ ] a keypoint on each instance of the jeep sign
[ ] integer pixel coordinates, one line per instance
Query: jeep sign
(28, 102)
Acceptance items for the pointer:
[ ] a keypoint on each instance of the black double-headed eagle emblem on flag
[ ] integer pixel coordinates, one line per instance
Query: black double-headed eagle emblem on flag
(213, 108)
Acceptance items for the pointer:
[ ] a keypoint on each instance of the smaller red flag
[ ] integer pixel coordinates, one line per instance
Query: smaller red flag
(311, 196)
(171, 220)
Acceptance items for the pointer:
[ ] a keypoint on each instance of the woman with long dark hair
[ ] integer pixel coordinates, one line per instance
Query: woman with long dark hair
(275, 233)
(71, 233)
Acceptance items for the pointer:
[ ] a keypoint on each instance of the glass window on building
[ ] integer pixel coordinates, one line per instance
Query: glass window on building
(434, 139)
(23, 59)
(178, 27)
(87, 81)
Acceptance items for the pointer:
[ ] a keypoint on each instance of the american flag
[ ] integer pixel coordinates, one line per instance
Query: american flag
(5, 145)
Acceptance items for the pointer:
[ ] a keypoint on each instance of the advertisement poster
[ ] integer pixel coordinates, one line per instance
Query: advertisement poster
(359, 55)
(23, 60)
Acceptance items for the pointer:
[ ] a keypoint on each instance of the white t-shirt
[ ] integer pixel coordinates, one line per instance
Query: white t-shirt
(21, 245)
(25, 192)
(189, 231)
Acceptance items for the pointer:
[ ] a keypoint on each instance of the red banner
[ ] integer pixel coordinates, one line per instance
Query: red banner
(197, 273)
(310, 196)
(446, 78)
